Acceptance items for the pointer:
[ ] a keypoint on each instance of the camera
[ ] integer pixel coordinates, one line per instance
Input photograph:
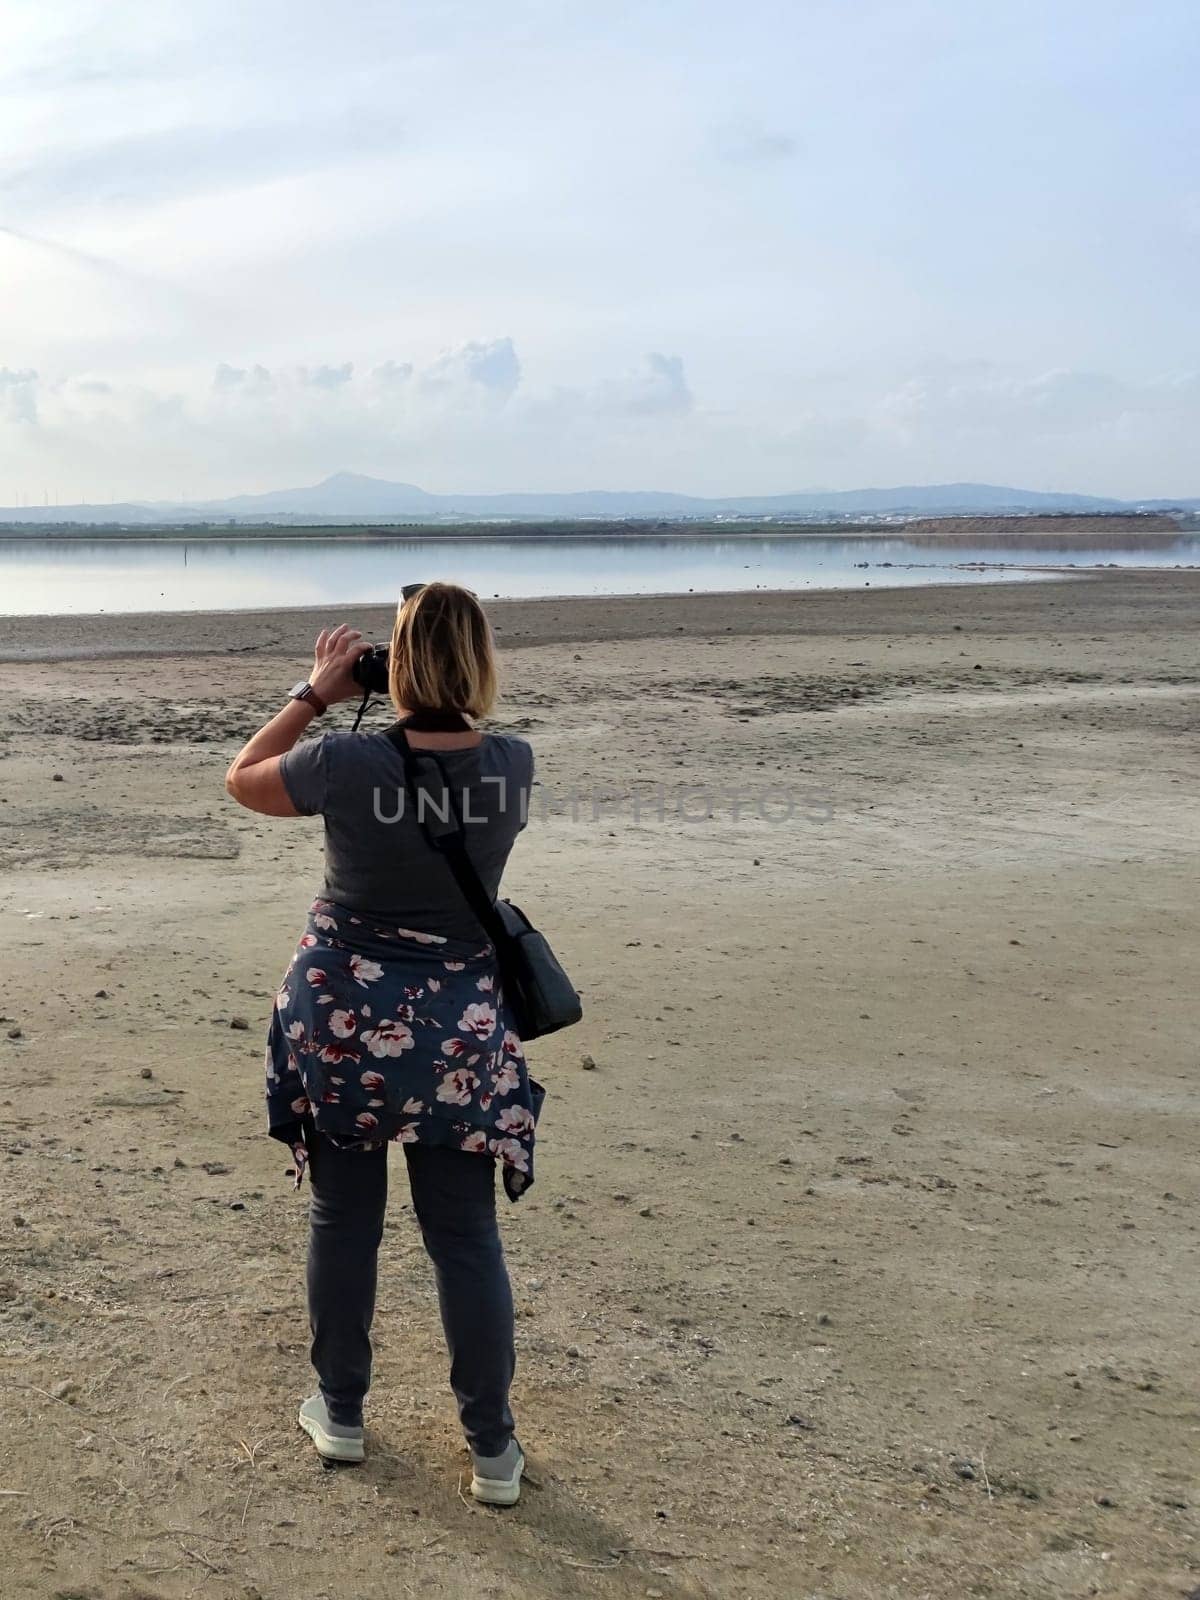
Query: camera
(370, 671)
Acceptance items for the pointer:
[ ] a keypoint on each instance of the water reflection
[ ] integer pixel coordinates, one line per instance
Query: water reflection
(94, 575)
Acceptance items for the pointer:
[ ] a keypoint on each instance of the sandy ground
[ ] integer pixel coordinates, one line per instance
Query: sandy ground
(862, 1265)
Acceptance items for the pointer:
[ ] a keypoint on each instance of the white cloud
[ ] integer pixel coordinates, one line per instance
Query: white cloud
(242, 378)
(326, 377)
(481, 367)
(149, 167)
(658, 389)
(1050, 404)
(18, 396)
(472, 418)
(861, 242)
(751, 144)
(392, 372)
(250, 424)
(1063, 429)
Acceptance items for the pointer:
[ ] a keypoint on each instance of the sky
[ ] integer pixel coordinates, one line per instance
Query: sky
(566, 244)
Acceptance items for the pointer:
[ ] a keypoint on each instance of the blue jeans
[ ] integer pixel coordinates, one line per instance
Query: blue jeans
(454, 1198)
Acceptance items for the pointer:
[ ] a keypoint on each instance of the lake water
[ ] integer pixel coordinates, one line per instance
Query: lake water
(40, 575)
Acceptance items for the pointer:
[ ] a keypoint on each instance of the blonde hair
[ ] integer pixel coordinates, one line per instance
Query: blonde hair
(442, 656)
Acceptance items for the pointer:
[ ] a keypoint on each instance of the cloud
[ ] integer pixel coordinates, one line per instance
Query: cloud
(766, 195)
(392, 372)
(480, 371)
(241, 378)
(748, 144)
(659, 389)
(974, 420)
(490, 367)
(470, 418)
(128, 277)
(656, 388)
(18, 395)
(252, 425)
(169, 163)
(1061, 401)
(326, 377)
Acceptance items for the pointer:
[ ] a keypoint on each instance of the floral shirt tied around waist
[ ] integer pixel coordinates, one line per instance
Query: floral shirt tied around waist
(382, 1033)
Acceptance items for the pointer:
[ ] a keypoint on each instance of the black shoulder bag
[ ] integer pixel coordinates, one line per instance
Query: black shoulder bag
(542, 997)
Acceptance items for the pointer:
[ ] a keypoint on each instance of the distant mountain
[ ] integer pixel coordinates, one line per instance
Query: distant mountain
(343, 494)
(346, 493)
(351, 497)
(116, 514)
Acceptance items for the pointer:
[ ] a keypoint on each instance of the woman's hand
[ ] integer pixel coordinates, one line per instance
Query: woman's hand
(255, 777)
(333, 662)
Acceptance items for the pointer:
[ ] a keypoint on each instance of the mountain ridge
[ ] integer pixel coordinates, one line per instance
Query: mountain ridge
(350, 495)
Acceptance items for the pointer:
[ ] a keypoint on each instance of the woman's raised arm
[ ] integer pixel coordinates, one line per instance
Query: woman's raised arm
(254, 779)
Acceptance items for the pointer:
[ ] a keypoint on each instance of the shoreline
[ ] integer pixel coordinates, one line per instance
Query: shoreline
(1066, 530)
(502, 535)
(496, 535)
(1042, 574)
(288, 631)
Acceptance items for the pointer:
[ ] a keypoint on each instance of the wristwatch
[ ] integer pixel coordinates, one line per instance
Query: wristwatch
(305, 691)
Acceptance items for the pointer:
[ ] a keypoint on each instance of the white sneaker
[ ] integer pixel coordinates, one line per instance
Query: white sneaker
(333, 1440)
(496, 1480)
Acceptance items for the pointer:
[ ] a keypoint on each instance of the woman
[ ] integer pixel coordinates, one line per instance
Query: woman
(390, 1024)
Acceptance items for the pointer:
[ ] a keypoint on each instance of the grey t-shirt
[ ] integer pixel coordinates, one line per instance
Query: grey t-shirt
(377, 859)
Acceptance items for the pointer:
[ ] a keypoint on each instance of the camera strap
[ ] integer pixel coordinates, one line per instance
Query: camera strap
(447, 835)
(362, 706)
